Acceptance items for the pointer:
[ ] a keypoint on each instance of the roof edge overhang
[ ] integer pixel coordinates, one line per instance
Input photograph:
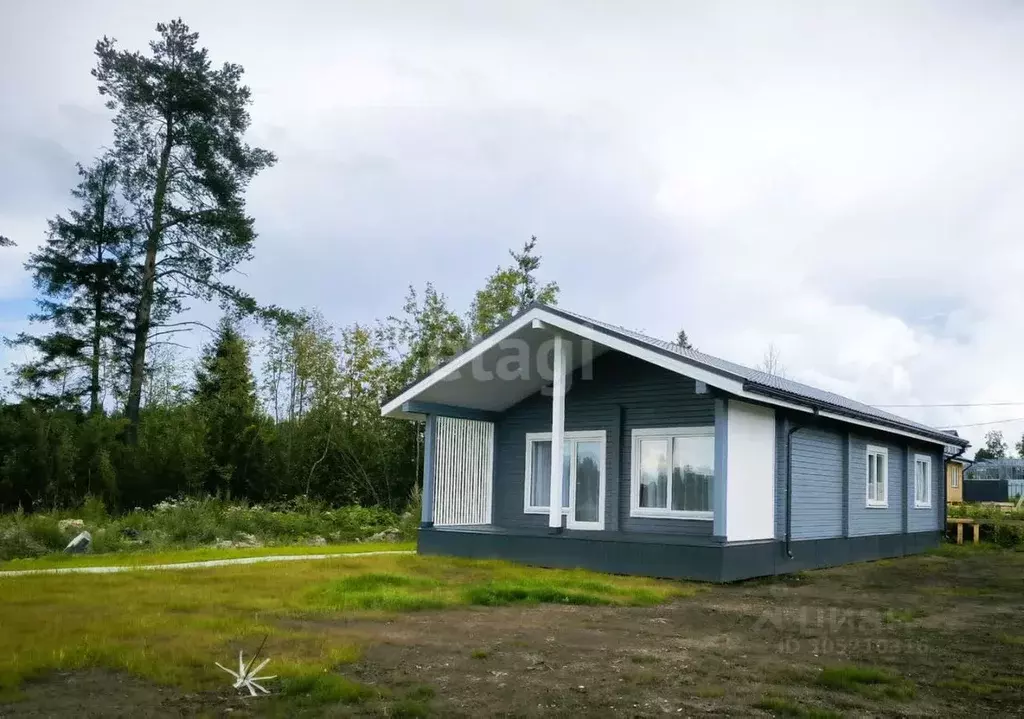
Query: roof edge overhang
(842, 414)
(726, 382)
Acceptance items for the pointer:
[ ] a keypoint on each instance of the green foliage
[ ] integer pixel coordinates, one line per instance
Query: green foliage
(189, 523)
(870, 681)
(402, 592)
(783, 707)
(6, 241)
(179, 143)
(225, 400)
(995, 447)
(683, 341)
(1008, 535)
(510, 290)
(82, 272)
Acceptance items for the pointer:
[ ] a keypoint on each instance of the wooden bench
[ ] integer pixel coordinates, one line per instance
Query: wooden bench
(960, 522)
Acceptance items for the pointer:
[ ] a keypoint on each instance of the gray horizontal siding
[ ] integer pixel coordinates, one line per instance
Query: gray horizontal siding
(866, 520)
(642, 394)
(926, 518)
(817, 484)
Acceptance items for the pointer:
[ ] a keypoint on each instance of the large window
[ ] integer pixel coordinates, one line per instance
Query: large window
(583, 484)
(673, 473)
(878, 477)
(922, 480)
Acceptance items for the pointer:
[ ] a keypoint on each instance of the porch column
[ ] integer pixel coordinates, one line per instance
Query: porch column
(557, 433)
(427, 515)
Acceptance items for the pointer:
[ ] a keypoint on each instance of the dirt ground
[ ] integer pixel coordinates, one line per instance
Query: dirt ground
(946, 631)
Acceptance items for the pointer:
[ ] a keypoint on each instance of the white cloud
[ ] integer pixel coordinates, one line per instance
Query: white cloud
(843, 180)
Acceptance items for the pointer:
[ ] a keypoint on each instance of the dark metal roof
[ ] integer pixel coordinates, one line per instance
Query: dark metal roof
(769, 385)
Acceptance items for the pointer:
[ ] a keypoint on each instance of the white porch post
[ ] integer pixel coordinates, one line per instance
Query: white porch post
(429, 453)
(557, 433)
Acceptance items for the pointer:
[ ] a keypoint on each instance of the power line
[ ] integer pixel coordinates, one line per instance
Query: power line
(979, 424)
(957, 404)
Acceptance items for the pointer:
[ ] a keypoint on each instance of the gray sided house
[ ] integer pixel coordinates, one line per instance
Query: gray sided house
(673, 463)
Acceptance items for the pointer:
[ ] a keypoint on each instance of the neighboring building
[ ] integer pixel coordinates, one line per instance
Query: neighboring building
(994, 480)
(674, 463)
(955, 480)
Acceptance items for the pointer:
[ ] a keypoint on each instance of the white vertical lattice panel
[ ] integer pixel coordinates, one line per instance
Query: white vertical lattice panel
(463, 466)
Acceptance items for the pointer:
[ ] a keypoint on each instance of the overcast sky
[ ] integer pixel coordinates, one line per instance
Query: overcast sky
(847, 183)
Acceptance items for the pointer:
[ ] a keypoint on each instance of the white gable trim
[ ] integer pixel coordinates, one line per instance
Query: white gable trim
(538, 316)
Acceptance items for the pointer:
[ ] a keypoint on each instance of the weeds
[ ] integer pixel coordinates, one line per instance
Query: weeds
(188, 523)
(869, 681)
(783, 707)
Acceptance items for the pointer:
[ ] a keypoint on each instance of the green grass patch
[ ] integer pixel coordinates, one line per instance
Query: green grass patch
(899, 616)
(316, 689)
(784, 707)
(409, 709)
(169, 627)
(480, 653)
(965, 686)
(382, 591)
(433, 588)
(869, 681)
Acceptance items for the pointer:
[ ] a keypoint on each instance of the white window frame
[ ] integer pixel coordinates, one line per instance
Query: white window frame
(927, 460)
(668, 433)
(884, 501)
(567, 511)
(954, 477)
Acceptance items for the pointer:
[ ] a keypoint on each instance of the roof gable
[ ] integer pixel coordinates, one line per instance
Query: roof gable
(728, 376)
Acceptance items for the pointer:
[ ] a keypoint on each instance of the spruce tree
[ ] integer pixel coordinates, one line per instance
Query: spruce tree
(226, 397)
(179, 139)
(83, 275)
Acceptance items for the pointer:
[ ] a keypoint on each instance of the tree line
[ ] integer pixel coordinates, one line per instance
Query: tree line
(104, 407)
(996, 447)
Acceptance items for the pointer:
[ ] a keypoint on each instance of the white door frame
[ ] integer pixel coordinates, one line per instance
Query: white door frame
(570, 520)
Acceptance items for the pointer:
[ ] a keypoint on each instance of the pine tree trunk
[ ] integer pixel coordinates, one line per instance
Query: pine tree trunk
(97, 307)
(144, 311)
(94, 380)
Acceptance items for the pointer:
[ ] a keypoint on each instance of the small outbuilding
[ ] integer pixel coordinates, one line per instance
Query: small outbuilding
(563, 441)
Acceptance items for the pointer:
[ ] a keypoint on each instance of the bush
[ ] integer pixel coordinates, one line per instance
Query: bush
(1008, 535)
(190, 522)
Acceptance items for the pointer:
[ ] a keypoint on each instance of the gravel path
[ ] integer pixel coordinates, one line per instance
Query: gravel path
(195, 565)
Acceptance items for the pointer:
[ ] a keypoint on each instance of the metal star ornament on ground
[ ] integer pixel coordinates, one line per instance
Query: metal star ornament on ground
(246, 677)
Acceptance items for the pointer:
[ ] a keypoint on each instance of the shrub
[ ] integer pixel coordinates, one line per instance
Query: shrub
(1008, 535)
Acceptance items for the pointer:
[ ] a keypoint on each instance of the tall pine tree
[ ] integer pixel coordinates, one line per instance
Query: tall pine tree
(226, 397)
(179, 138)
(83, 274)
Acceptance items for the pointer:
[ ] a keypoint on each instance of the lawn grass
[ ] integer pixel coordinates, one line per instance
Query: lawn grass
(869, 681)
(783, 707)
(199, 554)
(170, 627)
